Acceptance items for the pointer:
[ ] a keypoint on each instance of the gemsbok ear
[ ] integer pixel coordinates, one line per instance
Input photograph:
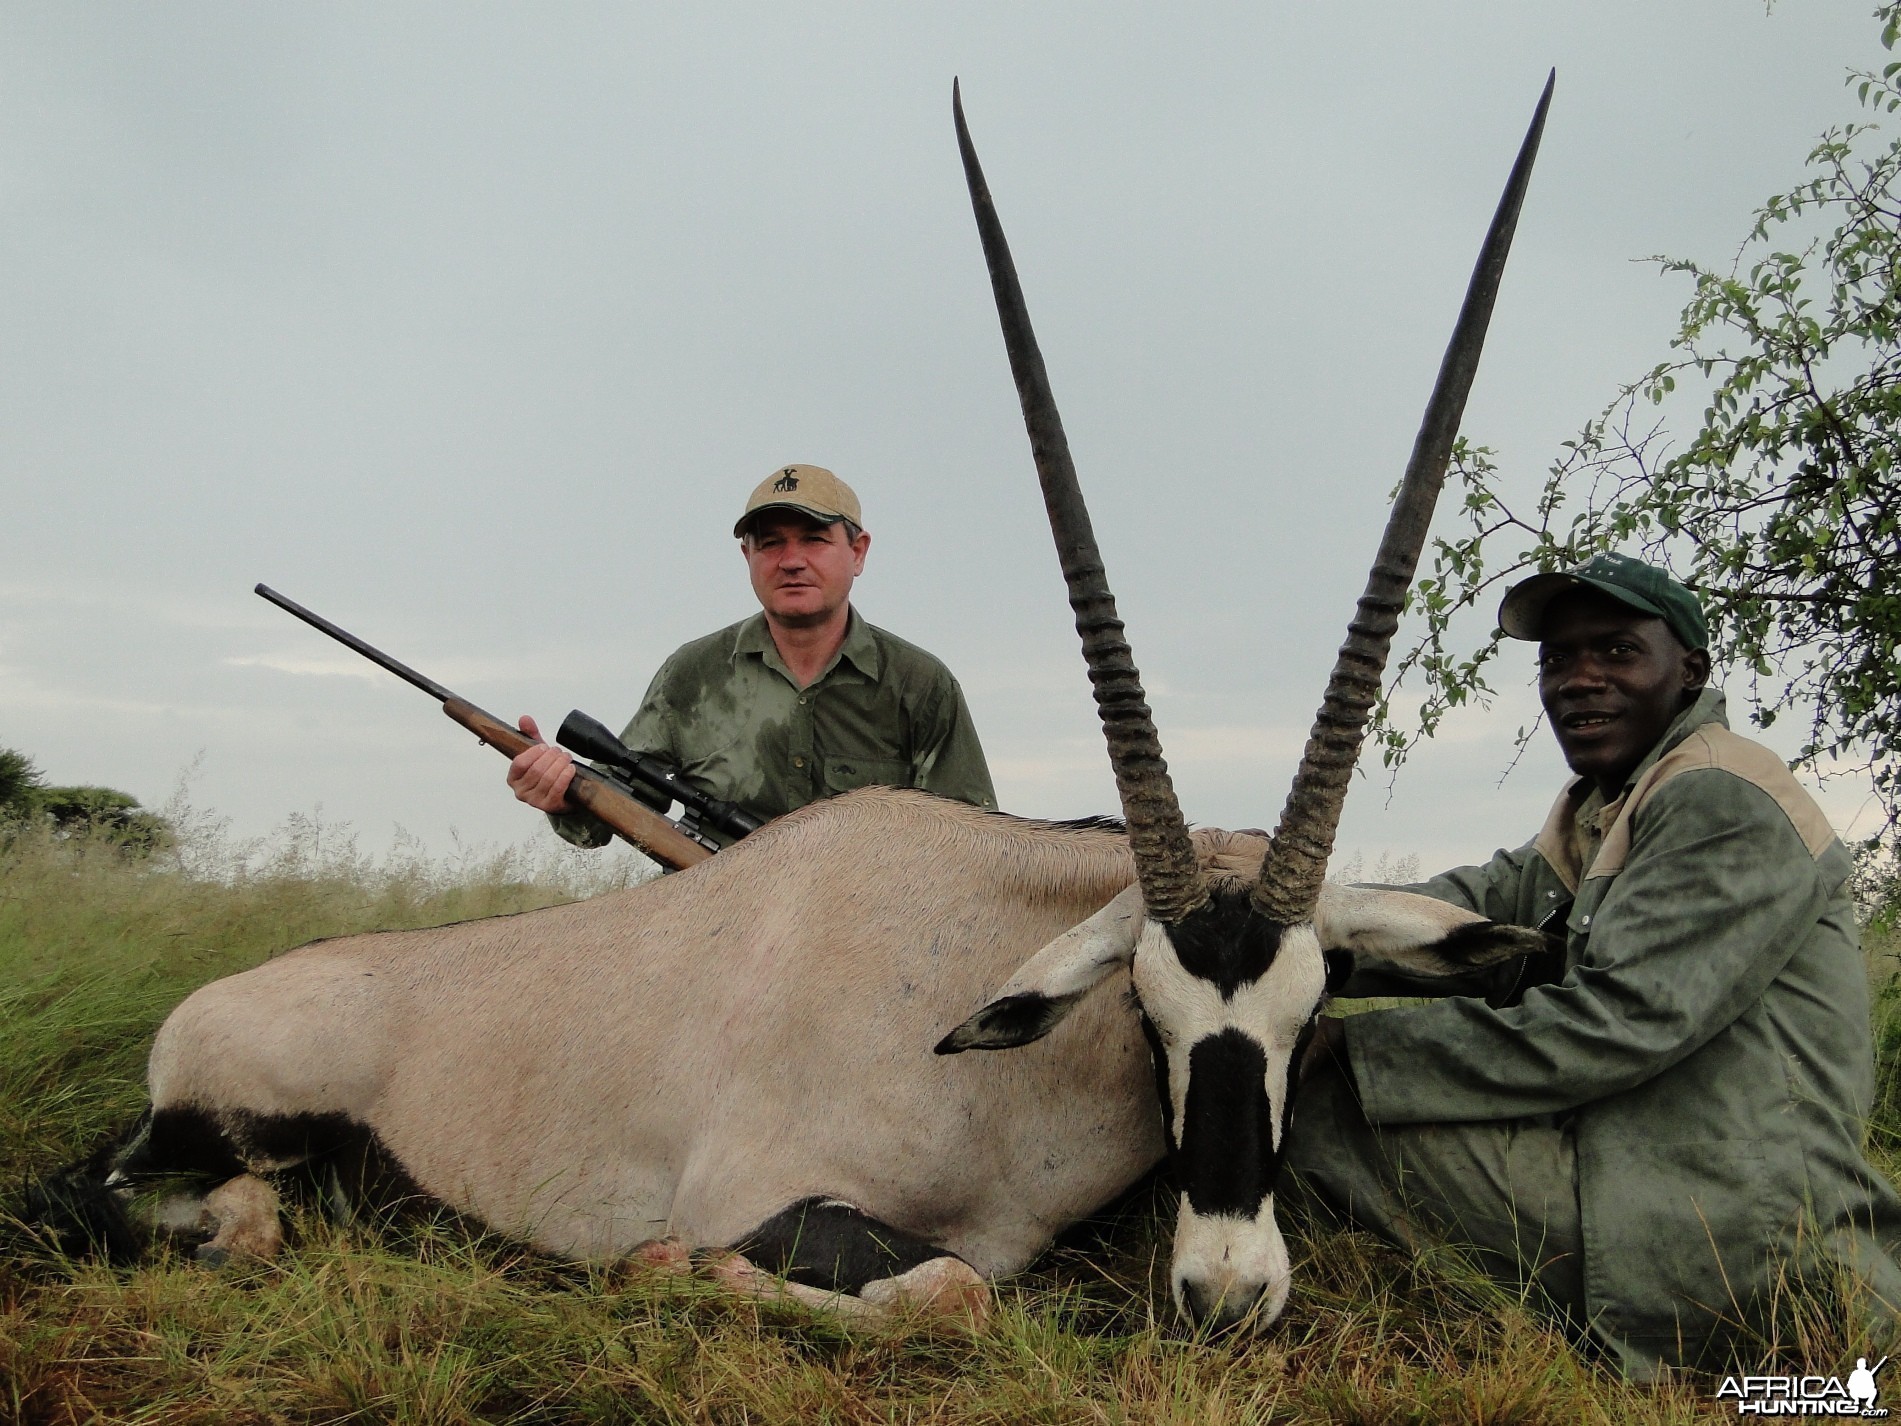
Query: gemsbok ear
(1413, 933)
(1054, 980)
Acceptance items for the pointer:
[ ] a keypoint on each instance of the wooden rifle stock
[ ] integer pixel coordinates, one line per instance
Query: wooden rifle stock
(631, 818)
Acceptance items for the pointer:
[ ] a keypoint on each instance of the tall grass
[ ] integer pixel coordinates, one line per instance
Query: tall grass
(438, 1324)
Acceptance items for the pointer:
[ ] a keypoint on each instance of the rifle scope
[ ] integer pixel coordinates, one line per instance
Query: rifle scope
(589, 738)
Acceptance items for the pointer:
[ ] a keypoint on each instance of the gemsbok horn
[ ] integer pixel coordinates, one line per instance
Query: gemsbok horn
(1216, 968)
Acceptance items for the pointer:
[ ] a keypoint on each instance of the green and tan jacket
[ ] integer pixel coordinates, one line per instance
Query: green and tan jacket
(1708, 1040)
(726, 712)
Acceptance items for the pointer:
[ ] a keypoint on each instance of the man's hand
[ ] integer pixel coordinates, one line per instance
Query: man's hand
(1328, 1043)
(540, 775)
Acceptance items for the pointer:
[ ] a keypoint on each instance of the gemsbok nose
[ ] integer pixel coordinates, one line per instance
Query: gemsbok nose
(1215, 1305)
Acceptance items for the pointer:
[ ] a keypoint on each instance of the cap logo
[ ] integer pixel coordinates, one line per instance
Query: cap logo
(786, 481)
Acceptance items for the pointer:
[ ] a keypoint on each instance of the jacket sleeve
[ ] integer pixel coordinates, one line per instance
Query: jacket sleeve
(1491, 890)
(1716, 894)
(947, 758)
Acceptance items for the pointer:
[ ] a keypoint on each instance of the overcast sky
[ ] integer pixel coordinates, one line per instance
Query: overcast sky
(471, 325)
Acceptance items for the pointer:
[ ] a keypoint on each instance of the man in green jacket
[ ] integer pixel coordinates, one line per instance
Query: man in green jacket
(1658, 1130)
(803, 700)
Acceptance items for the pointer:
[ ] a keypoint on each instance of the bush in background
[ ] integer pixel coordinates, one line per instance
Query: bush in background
(103, 812)
(19, 778)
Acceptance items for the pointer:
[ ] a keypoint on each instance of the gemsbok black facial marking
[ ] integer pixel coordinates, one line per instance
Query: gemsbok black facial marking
(1227, 1160)
(1223, 941)
(1294, 1062)
(1158, 1058)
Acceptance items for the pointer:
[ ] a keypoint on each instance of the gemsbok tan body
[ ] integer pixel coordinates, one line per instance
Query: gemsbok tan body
(686, 1060)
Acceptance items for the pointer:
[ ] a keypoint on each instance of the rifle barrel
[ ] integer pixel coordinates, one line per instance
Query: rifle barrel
(658, 836)
(345, 637)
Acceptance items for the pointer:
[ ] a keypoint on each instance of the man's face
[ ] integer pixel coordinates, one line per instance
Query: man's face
(1611, 680)
(802, 571)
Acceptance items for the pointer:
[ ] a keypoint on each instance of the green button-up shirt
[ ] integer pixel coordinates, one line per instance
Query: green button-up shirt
(726, 711)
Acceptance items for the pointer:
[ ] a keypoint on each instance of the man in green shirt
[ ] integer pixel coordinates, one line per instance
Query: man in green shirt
(1658, 1129)
(801, 701)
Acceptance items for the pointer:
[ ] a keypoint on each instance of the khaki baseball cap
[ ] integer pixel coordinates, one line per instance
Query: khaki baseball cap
(1630, 582)
(809, 489)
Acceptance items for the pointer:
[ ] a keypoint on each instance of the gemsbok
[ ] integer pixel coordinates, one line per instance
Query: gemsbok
(739, 1058)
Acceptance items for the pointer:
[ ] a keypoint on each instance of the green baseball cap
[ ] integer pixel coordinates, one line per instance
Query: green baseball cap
(1643, 587)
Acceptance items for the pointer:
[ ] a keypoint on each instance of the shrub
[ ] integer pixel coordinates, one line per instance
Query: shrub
(19, 779)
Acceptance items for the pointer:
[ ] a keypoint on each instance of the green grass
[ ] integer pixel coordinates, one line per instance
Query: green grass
(438, 1325)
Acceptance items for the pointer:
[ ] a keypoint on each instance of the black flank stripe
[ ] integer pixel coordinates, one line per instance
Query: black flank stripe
(1287, 1095)
(833, 1246)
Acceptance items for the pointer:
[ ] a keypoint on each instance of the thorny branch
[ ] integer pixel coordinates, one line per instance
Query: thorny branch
(1781, 506)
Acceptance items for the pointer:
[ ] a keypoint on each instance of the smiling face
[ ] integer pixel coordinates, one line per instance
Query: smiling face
(802, 571)
(1612, 680)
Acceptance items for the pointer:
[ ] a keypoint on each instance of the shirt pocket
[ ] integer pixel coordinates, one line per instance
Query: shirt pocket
(844, 774)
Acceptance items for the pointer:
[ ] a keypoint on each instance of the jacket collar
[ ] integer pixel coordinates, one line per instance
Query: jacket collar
(1558, 840)
(1708, 708)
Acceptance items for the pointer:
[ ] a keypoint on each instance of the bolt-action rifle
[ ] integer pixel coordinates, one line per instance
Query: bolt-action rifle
(698, 810)
(613, 799)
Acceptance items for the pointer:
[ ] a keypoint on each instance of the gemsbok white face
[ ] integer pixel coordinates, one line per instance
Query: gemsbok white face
(1227, 1007)
(1229, 976)
(1225, 1013)
(1227, 1030)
